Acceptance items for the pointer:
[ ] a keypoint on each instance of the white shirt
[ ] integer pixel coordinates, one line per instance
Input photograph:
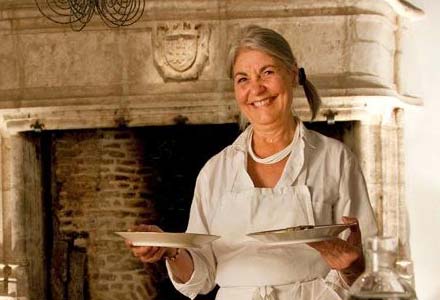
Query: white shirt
(334, 187)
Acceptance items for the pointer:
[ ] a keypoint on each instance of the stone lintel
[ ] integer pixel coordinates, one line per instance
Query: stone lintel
(135, 112)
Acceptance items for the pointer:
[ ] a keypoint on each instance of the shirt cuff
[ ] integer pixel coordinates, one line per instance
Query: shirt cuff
(192, 287)
(342, 281)
(336, 281)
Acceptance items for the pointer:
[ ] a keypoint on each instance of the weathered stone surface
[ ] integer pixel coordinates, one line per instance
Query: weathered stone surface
(318, 44)
(70, 59)
(378, 145)
(9, 68)
(373, 36)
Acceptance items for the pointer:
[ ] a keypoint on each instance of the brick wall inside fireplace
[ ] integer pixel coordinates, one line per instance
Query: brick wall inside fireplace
(104, 181)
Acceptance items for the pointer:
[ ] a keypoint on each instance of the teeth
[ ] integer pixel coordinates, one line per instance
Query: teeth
(261, 103)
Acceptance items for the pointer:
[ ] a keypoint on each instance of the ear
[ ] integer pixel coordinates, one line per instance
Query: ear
(294, 76)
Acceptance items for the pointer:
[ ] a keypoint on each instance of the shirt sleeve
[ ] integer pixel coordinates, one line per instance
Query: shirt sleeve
(354, 202)
(202, 280)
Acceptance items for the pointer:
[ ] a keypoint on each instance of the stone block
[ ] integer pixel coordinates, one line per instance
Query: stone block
(70, 59)
(317, 42)
(9, 64)
(127, 277)
(5, 25)
(376, 29)
(378, 71)
(136, 49)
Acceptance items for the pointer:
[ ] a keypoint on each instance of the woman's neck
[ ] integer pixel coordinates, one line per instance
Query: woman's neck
(268, 140)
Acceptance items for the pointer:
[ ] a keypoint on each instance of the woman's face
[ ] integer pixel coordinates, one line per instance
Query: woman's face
(263, 87)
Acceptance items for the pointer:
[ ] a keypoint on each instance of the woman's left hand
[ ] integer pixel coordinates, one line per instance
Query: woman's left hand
(344, 256)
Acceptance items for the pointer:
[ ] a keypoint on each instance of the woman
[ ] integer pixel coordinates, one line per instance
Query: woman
(276, 174)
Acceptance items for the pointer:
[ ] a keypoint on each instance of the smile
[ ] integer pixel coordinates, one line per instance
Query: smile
(263, 102)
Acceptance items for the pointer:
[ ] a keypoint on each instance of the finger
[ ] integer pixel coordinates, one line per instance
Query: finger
(355, 237)
(317, 245)
(159, 254)
(145, 228)
(148, 259)
(153, 251)
(323, 246)
(141, 251)
(128, 243)
(337, 253)
(153, 257)
(350, 221)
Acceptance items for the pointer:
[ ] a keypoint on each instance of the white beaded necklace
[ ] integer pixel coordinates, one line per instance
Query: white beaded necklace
(274, 158)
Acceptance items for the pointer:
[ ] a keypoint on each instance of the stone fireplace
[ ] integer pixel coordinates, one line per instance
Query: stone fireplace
(90, 120)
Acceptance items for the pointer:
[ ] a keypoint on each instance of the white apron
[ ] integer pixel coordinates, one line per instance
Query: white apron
(250, 270)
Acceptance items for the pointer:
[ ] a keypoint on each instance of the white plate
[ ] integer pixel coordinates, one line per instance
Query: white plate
(299, 234)
(168, 239)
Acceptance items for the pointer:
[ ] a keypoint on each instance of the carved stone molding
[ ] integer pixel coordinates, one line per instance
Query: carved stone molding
(181, 49)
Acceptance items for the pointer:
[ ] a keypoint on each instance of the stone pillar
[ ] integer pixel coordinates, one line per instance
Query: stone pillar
(379, 146)
(22, 229)
(14, 233)
(368, 148)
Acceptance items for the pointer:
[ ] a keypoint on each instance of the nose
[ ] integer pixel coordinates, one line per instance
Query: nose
(256, 87)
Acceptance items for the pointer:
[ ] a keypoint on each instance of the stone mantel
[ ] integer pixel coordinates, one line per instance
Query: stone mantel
(103, 77)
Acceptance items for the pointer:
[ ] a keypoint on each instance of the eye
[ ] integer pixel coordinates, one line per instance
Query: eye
(268, 72)
(241, 80)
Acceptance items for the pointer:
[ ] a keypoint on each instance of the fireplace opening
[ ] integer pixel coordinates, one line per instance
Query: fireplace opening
(99, 181)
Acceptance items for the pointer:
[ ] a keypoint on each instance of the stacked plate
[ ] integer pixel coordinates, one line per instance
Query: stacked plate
(168, 239)
(299, 234)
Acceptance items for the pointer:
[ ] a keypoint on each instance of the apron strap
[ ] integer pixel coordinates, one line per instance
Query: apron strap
(303, 174)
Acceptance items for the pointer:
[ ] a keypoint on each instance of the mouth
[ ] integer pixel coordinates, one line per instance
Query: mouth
(263, 102)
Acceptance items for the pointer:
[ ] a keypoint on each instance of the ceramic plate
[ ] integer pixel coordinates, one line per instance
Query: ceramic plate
(168, 239)
(299, 234)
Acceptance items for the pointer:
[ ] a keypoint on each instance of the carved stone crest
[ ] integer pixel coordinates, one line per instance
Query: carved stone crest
(181, 49)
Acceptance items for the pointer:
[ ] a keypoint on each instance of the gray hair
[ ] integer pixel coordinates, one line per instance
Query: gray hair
(274, 44)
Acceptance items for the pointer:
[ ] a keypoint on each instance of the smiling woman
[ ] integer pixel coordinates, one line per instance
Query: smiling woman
(276, 174)
(279, 52)
(263, 88)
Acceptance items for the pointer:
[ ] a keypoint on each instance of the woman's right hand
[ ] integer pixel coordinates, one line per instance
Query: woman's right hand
(149, 254)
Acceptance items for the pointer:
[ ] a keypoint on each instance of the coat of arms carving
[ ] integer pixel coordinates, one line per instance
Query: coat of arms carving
(181, 49)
